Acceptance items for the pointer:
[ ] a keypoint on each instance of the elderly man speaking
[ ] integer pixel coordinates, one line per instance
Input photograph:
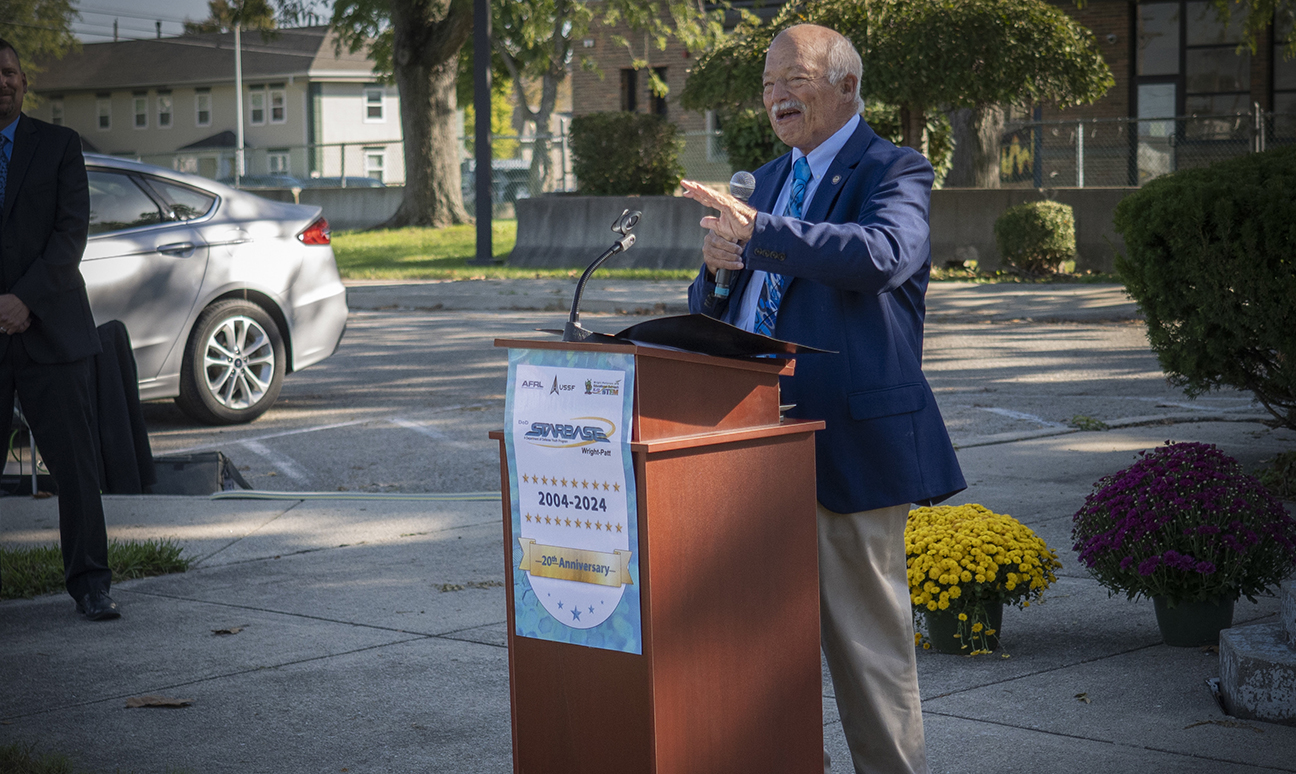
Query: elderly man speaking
(834, 252)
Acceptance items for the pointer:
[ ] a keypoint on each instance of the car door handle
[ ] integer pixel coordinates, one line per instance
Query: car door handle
(181, 249)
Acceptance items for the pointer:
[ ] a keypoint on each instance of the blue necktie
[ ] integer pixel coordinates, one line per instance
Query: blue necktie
(772, 291)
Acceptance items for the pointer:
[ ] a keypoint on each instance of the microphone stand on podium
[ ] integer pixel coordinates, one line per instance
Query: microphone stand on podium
(657, 622)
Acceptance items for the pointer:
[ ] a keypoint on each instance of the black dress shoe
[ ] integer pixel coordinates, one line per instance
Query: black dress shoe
(98, 606)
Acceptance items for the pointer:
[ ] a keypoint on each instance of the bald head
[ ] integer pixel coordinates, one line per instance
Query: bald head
(811, 84)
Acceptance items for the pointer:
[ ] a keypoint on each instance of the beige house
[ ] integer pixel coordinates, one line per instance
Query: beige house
(308, 110)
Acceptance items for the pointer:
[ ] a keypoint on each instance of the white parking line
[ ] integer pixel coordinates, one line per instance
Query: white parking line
(285, 463)
(1003, 412)
(439, 436)
(268, 436)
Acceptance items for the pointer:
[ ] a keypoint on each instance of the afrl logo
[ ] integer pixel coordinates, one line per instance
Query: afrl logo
(532, 384)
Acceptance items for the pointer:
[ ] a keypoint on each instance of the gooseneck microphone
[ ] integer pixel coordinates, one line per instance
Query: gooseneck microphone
(741, 187)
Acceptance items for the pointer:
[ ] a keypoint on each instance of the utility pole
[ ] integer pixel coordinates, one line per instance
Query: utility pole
(481, 104)
(238, 101)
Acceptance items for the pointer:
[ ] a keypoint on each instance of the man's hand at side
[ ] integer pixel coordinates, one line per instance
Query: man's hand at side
(737, 219)
(14, 315)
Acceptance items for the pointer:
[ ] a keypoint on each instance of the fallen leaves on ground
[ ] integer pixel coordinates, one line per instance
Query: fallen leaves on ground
(230, 630)
(1084, 697)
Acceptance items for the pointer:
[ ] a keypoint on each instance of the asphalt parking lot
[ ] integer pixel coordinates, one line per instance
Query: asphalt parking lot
(406, 402)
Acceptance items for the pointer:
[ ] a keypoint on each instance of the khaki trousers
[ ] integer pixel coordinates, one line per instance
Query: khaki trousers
(867, 632)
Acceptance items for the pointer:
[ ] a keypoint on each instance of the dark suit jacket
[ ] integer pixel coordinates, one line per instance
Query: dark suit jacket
(42, 236)
(859, 263)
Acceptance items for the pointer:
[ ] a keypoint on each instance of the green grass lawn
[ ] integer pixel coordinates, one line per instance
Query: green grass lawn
(429, 253)
(31, 571)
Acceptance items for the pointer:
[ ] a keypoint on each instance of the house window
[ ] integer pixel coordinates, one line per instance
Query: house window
(373, 106)
(140, 101)
(629, 90)
(657, 104)
(1217, 79)
(56, 111)
(256, 105)
(164, 109)
(375, 160)
(202, 108)
(187, 164)
(278, 104)
(278, 161)
(103, 110)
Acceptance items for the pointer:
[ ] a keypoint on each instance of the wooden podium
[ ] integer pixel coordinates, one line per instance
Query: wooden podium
(729, 678)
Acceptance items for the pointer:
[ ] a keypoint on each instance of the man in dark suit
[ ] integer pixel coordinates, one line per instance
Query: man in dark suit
(833, 252)
(47, 333)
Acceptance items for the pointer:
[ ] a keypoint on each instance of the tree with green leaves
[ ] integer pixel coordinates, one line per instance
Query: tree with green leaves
(222, 15)
(925, 56)
(38, 29)
(416, 43)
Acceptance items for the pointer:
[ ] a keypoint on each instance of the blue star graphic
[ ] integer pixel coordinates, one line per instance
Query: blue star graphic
(560, 606)
(591, 608)
(575, 614)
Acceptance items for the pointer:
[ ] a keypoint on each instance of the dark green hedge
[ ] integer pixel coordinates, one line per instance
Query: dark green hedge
(1036, 237)
(622, 154)
(1211, 260)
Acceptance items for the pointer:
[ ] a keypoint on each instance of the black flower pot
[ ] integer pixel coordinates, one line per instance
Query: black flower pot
(1193, 624)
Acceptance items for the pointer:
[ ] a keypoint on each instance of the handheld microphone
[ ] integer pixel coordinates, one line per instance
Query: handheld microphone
(741, 187)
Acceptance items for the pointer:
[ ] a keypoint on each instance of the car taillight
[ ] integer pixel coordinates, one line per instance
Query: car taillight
(316, 233)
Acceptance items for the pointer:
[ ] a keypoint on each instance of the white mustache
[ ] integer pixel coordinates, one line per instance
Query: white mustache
(787, 104)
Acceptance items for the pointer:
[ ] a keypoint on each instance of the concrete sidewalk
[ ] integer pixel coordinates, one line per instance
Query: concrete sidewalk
(371, 638)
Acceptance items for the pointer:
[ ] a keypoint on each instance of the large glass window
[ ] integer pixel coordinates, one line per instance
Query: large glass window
(117, 203)
(1284, 80)
(1158, 39)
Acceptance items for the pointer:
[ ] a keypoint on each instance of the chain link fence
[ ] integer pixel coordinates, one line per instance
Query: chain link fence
(1131, 151)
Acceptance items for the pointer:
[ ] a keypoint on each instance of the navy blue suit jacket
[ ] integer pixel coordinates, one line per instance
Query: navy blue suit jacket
(858, 264)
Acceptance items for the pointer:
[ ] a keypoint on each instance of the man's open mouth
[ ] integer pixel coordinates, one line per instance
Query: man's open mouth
(787, 109)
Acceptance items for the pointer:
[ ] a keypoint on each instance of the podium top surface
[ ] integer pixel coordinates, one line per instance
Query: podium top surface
(769, 365)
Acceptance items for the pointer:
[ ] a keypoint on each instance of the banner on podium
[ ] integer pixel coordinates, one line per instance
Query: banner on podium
(571, 482)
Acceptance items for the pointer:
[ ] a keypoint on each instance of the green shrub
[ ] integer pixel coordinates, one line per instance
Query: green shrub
(1211, 260)
(622, 154)
(1036, 237)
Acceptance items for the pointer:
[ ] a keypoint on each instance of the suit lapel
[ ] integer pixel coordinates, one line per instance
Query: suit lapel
(839, 173)
(25, 141)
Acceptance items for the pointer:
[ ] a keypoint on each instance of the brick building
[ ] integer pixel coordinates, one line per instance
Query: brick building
(1169, 58)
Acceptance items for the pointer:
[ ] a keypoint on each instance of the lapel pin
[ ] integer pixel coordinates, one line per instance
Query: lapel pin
(836, 179)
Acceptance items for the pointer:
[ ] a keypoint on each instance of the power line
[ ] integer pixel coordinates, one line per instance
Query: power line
(130, 15)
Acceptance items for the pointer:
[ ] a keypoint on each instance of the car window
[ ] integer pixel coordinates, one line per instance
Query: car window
(187, 203)
(117, 203)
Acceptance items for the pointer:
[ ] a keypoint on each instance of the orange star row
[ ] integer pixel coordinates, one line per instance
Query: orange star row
(572, 482)
(568, 522)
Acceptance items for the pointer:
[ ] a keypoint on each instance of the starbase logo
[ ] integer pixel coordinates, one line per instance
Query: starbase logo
(578, 431)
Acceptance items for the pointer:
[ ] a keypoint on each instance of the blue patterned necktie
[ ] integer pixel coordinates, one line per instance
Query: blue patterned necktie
(772, 291)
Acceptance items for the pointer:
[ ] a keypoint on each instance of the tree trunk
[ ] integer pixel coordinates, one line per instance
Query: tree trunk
(976, 147)
(542, 171)
(425, 52)
(913, 123)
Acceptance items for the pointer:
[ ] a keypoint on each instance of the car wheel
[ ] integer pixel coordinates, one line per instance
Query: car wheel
(233, 365)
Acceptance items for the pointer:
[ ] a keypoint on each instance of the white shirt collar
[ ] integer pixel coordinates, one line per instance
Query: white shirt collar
(822, 157)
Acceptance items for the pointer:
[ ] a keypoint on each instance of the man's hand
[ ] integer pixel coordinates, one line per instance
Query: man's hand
(719, 253)
(15, 317)
(736, 221)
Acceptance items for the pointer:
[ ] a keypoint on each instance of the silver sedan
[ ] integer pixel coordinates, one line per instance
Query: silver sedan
(222, 292)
